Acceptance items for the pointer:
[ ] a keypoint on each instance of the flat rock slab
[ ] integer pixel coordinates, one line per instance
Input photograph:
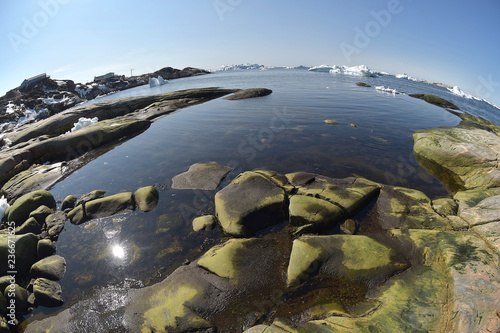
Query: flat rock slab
(351, 256)
(462, 157)
(249, 93)
(103, 207)
(201, 176)
(479, 206)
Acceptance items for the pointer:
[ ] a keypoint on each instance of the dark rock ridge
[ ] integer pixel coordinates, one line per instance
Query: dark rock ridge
(59, 95)
(249, 93)
(433, 99)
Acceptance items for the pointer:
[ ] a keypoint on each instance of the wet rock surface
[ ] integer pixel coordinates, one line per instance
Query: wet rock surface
(249, 93)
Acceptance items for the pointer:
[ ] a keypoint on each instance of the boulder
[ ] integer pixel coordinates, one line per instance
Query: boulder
(146, 198)
(201, 176)
(47, 293)
(249, 93)
(362, 84)
(461, 157)
(331, 122)
(41, 213)
(349, 227)
(30, 226)
(359, 258)
(351, 194)
(25, 253)
(97, 194)
(68, 202)
(103, 207)
(20, 296)
(399, 207)
(52, 268)
(54, 224)
(22, 207)
(251, 202)
(45, 248)
(313, 213)
(204, 222)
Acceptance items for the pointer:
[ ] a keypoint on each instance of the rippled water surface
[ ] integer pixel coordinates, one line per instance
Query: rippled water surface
(284, 132)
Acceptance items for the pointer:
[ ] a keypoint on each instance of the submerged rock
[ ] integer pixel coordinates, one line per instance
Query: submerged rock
(204, 222)
(331, 122)
(201, 176)
(146, 198)
(47, 293)
(22, 207)
(362, 84)
(249, 203)
(249, 93)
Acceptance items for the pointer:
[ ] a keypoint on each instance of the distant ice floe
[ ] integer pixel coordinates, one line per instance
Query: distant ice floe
(82, 122)
(155, 82)
(360, 70)
(457, 91)
(3, 206)
(388, 90)
(240, 67)
(406, 76)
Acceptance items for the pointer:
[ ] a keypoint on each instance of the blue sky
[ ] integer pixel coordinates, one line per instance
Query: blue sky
(455, 42)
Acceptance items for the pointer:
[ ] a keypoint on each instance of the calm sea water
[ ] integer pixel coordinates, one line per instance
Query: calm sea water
(284, 132)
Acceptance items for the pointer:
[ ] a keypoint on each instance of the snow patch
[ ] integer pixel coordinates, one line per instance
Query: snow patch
(11, 108)
(60, 83)
(3, 206)
(82, 122)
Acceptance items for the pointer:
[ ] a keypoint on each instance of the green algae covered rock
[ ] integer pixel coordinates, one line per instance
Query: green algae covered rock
(314, 213)
(25, 252)
(359, 258)
(146, 198)
(52, 268)
(68, 202)
(438, 101)
(249, 93)
(47, 293)
(22, 207)
(204, 222)
(102, 207)
(460, 157)
(249, 203)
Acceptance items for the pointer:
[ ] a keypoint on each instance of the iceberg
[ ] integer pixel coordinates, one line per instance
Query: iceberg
(3, 206)
(387, 90)
(321, 68)
(360, 70)
(82, 122)
(155, 82)
(240, 67)
(459, 92)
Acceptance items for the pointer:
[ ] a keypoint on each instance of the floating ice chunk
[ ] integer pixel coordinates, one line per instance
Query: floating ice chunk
(82, 122)
(360, 70)
(459, 92)
(387, 90)
(162, 80)
(321, 68)
(3, 206)
(153, 82)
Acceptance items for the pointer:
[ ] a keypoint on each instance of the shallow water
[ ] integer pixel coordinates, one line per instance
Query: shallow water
(284, 132)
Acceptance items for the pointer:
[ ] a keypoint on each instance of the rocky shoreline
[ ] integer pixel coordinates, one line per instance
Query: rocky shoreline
(297, 254)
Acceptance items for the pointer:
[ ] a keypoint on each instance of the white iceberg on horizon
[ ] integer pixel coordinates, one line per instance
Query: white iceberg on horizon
(360, 70)
(321, 68)
(459, 92)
